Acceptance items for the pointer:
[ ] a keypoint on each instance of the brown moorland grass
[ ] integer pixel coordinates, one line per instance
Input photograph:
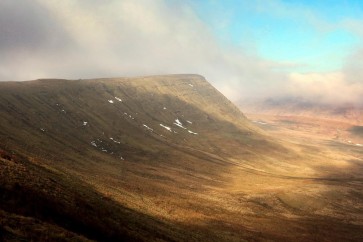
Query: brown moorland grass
(232, 181)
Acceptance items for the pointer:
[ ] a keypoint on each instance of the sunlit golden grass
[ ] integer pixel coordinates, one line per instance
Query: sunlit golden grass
(234, 181)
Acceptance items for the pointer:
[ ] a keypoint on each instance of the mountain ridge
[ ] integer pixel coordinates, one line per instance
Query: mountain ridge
(161, 158)
(105, 132)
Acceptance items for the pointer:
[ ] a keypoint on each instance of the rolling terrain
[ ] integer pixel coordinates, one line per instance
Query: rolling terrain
(164, 158)
(341, 122)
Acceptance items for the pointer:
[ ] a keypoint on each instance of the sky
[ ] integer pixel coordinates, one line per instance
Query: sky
(248, 49)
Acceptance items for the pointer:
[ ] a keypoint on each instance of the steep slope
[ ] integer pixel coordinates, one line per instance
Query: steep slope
(153, 159)
(112, 135)
(124, 119)
(42, 205)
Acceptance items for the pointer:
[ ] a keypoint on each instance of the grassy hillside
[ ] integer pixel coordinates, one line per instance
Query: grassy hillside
(152, 159)
(73, 114)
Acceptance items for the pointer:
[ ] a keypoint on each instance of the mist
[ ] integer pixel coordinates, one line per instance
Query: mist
(89, 39)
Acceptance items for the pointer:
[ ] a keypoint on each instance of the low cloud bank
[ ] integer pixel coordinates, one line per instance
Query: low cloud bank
(89, 39)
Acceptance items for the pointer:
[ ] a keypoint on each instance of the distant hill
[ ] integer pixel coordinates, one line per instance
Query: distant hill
(345, 112)
(341, 122)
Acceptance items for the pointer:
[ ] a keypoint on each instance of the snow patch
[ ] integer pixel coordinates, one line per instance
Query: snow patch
(110, 101)
(118, 99)
(85, 123)
(93, 143)
(359, 144)
(164, 108)
(189, 122)
(147, 127)
(129, 116)
(192, 132)
(178, 123)
(118, 142)
(166, 127)
(43, 129)
(190, 85)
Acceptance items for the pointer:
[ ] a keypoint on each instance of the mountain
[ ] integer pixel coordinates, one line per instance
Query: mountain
(158, 158)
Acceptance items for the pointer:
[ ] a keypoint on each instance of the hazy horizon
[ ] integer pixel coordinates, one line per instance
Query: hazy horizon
(246, 49)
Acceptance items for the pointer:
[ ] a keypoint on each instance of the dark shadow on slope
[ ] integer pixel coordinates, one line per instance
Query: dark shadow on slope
(66, 143)
(34, 192)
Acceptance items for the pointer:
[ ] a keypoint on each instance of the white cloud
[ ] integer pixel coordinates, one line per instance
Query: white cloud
(335, 88)
(118, 38)
(89, 39)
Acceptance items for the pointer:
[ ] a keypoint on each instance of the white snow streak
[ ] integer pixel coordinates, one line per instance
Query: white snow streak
(166, 127)
(147, 127)
(129, 116)
(178, 123)
(118, 142)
